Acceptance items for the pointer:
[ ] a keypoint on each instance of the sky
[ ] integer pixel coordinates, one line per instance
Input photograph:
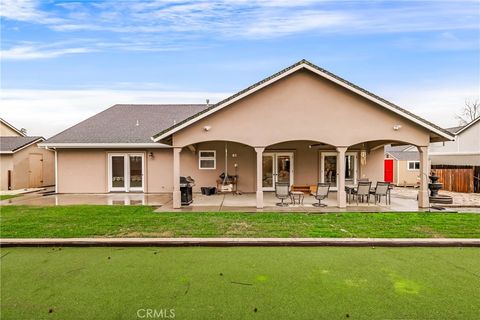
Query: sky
(63, 61)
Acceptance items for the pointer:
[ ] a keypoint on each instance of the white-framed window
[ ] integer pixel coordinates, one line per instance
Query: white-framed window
(413, 165)
(207, 159)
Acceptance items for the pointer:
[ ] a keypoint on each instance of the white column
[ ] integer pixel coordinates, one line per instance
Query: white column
(423, 195)
(341, 195)
(177, 201)
(259, 151)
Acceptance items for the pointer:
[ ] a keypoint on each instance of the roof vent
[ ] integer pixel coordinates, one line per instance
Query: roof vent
(174, 122)
(137, 124)
(24, 131)
(208, 102)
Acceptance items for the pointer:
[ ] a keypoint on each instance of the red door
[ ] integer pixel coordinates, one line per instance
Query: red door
(388, 173)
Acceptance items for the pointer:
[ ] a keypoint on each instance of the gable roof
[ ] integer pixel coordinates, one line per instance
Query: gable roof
(14, 144)
(302, 64)
(12, 127)
(124, 124)
(454, 130)
(477, 120)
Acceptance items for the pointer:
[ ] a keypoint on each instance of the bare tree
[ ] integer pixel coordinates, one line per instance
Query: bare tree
(470, 111)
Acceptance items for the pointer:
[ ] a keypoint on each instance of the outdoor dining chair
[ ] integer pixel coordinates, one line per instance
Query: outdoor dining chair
(363, 191)
(282, 192)
(381, 189)
(322, 193)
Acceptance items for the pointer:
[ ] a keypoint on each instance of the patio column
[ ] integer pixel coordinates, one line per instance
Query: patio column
(423, 196)
(177, 201)
(341, 195)
(259, 151)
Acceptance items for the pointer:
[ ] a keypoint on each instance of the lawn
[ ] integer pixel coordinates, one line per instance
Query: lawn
(7, 196)
(142, 221)
(241, 283)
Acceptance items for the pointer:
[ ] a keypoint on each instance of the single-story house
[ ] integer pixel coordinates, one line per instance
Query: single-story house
(458, 162)
(301, 125)
(22, 163)
(402, 166)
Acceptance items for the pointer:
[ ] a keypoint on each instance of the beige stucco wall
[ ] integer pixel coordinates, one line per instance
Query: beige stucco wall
(302, 106)
(6, 131)
(404, 176)
(6, 163)
(373, 169)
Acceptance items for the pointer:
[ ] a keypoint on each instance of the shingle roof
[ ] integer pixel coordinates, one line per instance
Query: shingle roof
(396, 148)
(304, 62)
(405, 155)
(127, 123)
(454, 129)
(11, 144)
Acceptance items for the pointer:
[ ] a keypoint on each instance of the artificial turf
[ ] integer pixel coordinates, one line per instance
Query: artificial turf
(241, 283)
(142, 221)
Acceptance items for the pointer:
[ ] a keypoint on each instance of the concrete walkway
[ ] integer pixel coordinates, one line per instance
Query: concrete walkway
(232, 242)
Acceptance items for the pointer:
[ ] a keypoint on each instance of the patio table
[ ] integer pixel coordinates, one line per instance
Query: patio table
(299, 195)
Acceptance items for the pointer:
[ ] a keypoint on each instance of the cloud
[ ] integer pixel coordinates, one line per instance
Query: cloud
(27, 52)
(51, 111)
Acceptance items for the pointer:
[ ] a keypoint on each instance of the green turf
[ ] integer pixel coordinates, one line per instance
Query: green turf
(7, 196)
(140, 221)
(231, 283)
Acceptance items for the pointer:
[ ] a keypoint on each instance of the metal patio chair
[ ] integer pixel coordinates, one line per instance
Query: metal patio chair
(322, 193)
(282, 192)
(363, 191)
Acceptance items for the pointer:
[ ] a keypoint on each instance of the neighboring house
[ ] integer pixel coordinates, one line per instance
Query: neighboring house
(301, 125)
(402, 166)
(22, 163)
(458, 162)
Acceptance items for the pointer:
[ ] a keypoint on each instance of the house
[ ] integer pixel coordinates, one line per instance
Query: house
(301, 125)
(22, 163)
(402, 166)
(458, 162)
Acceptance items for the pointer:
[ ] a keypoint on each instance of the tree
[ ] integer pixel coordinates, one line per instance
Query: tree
(470, 111)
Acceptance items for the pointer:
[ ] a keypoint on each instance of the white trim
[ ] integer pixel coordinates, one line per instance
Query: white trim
(105, 145)
(465, 153)
(6, 152)
(391, 155)
(467, 126)
(320, 73)
(413, 161)
(333, 153)
(12, 127)
(214, 158)
(56, 170)
(275, 155)
(126, 171)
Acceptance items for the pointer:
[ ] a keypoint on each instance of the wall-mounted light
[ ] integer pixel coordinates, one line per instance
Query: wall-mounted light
(234, 155)
(207, 128)
(397, 127)
(151, 155)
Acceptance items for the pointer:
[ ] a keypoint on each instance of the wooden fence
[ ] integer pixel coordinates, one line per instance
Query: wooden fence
(456, 179)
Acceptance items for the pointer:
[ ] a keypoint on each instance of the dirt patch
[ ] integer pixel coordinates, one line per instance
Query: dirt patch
(429, 231)
(136, 234)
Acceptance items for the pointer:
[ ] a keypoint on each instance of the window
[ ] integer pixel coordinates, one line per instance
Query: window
(207, 159)
(413, 165)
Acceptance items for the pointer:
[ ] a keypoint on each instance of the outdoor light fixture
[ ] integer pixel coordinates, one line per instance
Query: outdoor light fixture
(151, 155)
(397, 127)
(207, 128)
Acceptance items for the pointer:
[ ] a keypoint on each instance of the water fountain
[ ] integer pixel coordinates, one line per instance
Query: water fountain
(434, 186)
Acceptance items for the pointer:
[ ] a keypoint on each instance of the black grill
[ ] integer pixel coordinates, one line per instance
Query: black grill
(186, 184)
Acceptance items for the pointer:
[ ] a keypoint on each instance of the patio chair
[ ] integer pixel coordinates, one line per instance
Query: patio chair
(282, 192)
(322, 193)
(363, 191)
(381, 189)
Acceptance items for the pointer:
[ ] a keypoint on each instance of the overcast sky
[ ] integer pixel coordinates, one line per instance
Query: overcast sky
(63, 61)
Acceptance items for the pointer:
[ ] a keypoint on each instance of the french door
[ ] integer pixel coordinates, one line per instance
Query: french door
(126, 172)
(277, 167)
(328, 169)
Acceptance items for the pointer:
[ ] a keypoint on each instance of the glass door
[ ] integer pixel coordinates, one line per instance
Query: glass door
(125, 172)
(328, 169)
(277, 167)
(268, 165)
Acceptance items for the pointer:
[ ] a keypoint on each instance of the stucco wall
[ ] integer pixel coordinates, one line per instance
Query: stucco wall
(21, 167)
(405, 176)
(6, 163)
(373, 169)
(303, 106)
(5, 131)
(466, 141)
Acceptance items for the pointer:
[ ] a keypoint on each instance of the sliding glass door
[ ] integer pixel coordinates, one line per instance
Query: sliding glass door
(277, 167)
(125, 172)
(328, 169)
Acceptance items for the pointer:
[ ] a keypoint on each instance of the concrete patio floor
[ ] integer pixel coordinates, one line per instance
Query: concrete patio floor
(403, 200)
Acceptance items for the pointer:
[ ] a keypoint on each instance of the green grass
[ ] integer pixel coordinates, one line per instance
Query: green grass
(231, 283)
(7, 196)
(140, 221)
